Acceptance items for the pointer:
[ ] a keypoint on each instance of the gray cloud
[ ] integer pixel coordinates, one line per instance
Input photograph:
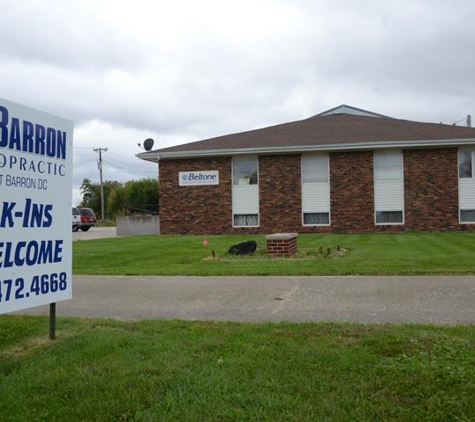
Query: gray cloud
(183, 71)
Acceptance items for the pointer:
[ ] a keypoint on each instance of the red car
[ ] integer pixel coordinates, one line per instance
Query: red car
(88, 219)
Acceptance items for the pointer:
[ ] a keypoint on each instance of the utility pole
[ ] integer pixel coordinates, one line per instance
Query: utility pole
(99, 166)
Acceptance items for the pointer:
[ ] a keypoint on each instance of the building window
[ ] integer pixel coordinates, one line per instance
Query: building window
(245, 193)
(465, 164)
(316, 218)
(389, 187)
(245, 171)
(388, 165)
(466, 186)
(467, 216)
(388, 217)
(246, 220)
(315, 190)
(314, 168)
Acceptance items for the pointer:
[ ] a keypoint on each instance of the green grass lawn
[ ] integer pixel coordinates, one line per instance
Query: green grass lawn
(357, 254)
(103, 370)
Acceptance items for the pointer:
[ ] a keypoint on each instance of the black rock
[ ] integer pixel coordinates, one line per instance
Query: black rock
(243, 248)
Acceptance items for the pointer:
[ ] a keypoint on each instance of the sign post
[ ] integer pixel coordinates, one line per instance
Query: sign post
(35, 209)
(52, 321)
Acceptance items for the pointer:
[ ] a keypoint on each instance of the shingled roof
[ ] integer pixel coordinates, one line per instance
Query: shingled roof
(343, 127)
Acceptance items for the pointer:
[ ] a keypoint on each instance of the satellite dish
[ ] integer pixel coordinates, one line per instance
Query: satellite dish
(148, 144)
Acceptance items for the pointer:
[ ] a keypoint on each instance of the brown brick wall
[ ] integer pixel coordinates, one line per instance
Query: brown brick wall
(430, 188)
(352, 192)
(195, 209)
(278, 247)
(280, 193)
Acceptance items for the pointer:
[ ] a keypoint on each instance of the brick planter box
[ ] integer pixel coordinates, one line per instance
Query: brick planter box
(281, 244)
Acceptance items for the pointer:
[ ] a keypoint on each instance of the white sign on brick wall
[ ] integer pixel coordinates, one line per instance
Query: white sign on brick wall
(198, 178)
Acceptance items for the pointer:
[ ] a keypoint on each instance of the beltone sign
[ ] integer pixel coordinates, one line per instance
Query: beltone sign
(198, 178)
(35, 208)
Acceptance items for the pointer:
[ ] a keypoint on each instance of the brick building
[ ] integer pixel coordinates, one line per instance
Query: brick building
(345, 170)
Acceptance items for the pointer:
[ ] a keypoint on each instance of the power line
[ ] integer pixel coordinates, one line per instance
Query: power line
(82, 163)
(125, 156)
(125, 167)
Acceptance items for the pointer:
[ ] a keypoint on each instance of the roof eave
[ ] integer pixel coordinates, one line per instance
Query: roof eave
(156, 156)
(148, 156)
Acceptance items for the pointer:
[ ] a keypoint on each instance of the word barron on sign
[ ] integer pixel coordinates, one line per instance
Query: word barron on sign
(35, 208)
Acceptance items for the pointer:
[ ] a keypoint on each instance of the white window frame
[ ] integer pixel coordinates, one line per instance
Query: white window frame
(245, 215)
(250, 190)
(397, 183)
(466, 187)
(323, 186)
(316, 225)
(465, 222)
(387, 223)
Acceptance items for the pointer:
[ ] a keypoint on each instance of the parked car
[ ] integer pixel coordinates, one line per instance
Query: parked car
(76, 219)
(85, 220)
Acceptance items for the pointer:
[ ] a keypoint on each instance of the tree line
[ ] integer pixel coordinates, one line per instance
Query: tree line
(120, 198)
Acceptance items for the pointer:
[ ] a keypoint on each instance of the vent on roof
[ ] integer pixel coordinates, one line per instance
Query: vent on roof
(346, 109)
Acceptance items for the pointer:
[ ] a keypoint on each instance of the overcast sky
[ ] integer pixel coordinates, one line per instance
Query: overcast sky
(180, 71)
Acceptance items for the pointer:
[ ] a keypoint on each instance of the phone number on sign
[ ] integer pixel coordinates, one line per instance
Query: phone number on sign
(39, 285)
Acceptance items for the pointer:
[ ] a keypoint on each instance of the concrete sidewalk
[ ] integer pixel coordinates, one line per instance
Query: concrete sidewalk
(433, 300)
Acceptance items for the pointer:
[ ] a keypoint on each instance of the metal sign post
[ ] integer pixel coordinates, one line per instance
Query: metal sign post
(52, 321)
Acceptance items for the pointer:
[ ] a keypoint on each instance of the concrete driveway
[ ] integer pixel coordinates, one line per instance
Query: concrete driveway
(95, 233)
(432, 300)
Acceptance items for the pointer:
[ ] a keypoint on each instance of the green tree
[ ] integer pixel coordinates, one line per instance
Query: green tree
(91, 195)
(88, 191)
(136, 195)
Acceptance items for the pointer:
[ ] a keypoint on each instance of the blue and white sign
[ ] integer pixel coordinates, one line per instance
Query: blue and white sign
(35, 208)
(198, 178)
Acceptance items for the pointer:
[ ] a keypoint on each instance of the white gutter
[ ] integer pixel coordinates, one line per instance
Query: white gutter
(148, 156)
(155, 156)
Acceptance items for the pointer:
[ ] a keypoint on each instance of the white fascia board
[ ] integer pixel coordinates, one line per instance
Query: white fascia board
(156, 156)
(148, 156)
